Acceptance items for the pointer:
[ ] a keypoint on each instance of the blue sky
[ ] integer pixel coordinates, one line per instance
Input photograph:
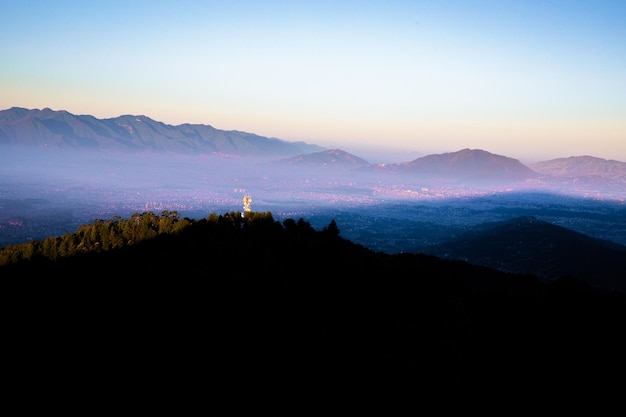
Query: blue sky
(532, 80)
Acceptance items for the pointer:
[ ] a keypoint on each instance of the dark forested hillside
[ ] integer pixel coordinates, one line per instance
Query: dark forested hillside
(233, 299)
(528, 245)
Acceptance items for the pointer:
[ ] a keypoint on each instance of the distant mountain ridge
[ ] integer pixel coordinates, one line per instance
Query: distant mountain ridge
(582, 166)
(475, 163)
(61, 129)
(466, 164)
(328, 158)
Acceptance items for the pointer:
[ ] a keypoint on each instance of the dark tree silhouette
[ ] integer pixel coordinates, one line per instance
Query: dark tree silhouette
(331, 229)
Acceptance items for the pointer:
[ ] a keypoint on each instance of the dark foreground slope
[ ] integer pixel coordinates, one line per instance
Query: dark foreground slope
(528, 245)
(295, 311)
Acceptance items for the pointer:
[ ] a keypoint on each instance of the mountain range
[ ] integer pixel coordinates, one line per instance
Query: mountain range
(52, 129)
(61, 129)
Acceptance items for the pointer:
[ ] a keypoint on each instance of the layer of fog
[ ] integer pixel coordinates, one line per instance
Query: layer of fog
(51, 192)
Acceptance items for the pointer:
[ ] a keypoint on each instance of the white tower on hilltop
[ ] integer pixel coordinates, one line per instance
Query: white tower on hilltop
(246, 205)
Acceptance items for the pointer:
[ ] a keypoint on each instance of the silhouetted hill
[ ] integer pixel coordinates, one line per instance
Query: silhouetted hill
(289, 309)
(61, 129)
(528, 245)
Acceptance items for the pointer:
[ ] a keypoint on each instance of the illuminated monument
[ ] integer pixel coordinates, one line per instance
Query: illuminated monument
(246, 205)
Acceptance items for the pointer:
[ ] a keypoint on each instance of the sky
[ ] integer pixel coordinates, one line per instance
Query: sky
(386, 80)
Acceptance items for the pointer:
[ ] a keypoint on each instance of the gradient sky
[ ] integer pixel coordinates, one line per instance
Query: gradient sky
(533, 80)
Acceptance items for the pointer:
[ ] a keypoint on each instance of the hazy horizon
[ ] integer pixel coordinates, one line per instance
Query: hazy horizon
(533, 80)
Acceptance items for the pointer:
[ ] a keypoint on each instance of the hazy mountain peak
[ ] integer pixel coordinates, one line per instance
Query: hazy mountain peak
(330, 157)
(582, 166)
(469, 163)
